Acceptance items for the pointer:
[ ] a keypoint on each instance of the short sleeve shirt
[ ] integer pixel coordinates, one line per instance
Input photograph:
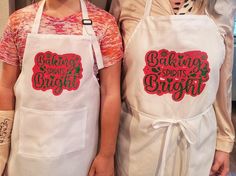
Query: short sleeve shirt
(12, 44)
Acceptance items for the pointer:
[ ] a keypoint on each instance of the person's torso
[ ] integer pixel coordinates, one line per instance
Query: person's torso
(57, 103)
(71, 25)
(176, 61)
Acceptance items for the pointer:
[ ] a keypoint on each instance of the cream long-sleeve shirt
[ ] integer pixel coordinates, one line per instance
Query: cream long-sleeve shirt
(129, 12)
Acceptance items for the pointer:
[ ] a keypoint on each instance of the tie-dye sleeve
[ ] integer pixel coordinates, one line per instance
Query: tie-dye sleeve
(111, 43)
(8, 49)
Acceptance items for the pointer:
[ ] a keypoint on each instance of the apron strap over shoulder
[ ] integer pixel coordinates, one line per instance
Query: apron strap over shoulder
(36, 24)
(88, 31)
(87, 22)
(148, 8)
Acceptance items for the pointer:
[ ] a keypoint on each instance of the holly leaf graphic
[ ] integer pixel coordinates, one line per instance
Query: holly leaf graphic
(43, 68)
(156, 70)
(48, 55)
(204, 71)
(164, 54)
(77, 69)
(204, 57)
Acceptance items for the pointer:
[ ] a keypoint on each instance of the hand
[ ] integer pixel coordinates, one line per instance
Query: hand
(102, 166)
(220, 165)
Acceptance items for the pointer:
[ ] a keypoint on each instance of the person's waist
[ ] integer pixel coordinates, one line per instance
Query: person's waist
(170, 117)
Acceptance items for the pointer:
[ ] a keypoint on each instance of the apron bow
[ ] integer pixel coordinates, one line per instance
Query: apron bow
(189, 133)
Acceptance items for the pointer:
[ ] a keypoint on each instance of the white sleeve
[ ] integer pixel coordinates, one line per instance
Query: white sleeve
(222, 105)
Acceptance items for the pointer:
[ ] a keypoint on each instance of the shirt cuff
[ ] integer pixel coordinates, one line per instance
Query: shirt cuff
(224, 145)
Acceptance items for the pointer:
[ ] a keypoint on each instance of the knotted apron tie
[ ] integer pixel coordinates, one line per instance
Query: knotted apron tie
(188, 131)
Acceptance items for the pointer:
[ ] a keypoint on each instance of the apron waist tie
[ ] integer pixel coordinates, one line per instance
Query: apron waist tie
(188, 131)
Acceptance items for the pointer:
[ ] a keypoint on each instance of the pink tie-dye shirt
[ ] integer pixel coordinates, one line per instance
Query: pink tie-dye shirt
(12, 44)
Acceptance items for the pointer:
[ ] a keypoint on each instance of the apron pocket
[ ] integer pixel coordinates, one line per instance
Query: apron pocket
(51, 133)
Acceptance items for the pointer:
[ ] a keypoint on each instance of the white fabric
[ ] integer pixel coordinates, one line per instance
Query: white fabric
(189, 133)
(55, 130)
(183, 136)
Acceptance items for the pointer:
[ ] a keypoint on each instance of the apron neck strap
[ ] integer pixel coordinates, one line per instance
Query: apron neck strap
(87, 23)
(87, 29)
(35, 27)
(148, 8)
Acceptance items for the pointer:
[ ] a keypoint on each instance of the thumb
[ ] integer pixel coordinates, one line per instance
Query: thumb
(92, 171)
(225, 170)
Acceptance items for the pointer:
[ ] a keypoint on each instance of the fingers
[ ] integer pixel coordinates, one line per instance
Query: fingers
(219, 168)
(225, 171)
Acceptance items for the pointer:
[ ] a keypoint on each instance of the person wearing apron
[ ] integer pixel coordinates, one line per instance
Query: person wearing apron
(173, 89)
(57, 104)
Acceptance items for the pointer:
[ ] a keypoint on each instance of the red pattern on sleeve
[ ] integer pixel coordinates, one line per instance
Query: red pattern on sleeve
(12, 44)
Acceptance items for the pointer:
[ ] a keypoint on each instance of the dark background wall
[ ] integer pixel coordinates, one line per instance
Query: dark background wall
(22, 3)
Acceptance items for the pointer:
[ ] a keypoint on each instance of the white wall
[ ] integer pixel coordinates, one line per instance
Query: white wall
(22, 3)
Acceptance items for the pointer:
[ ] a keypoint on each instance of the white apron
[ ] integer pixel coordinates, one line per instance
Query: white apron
(171, 76)
(55, 129)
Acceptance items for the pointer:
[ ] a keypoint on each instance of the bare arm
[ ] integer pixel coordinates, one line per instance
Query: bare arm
(8, 77)
(110, 116)
(110, 109)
